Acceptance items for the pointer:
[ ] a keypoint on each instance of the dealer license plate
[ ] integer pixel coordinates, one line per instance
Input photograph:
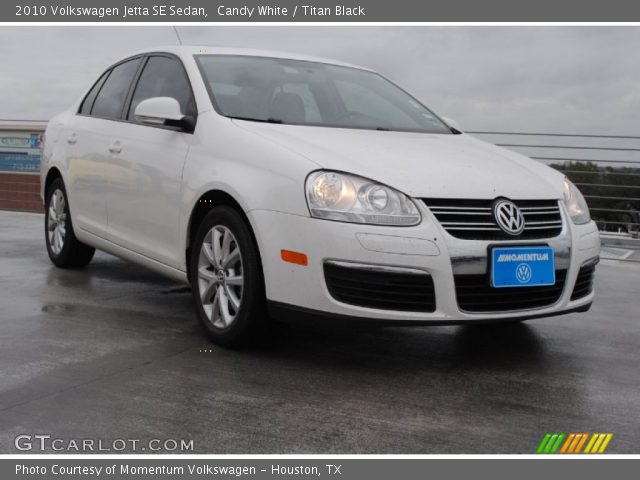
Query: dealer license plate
(522, 267)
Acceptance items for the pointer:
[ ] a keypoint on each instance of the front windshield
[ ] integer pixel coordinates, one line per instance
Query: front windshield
(310, 93)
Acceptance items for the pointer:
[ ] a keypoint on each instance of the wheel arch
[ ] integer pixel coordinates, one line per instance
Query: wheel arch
(52, 174)
(208, 200)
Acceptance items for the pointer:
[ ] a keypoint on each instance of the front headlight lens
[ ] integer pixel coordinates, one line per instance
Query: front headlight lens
(348, 198)
(576, 204)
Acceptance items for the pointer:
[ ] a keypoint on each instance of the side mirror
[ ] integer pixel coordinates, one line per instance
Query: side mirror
(163, 111)
(453, 124)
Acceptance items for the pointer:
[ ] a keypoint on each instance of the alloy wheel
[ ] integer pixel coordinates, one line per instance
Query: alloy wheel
(57, 222)
(220, 276)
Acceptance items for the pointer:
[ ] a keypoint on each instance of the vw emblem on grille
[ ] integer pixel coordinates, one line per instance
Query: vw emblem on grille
(508, 217)
(523, 273)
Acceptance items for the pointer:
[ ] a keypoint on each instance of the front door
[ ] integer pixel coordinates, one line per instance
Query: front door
(144, 184)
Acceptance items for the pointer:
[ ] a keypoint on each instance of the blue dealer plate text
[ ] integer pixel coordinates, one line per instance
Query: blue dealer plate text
(522, 267)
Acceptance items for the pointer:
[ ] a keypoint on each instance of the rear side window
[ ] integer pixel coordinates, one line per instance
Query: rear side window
(163, 77)
(87, 103)
(110, 101)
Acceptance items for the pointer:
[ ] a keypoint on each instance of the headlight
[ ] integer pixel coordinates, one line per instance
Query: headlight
(348, 198)
(576, 204)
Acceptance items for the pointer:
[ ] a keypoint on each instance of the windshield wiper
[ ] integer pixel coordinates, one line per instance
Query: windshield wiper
(262, 120)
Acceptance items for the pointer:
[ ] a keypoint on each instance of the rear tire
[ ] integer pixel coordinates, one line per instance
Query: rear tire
(64, 249)
(226, 279)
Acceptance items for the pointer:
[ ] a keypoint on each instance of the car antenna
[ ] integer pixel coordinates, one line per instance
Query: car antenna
(177, 34)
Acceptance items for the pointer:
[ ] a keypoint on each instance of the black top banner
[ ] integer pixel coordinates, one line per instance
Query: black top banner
(174, 11)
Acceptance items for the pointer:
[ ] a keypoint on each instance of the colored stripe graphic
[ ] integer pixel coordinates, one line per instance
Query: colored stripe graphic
(543, 443)
(598, 443)
(605, 443)
(581, 443)
(556, 445)
(592, 440)
(551, 442)
(568, 443)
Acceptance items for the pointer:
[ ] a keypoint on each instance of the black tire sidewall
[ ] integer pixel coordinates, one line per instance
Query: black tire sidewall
(250, 319)
(62, 258)
(74, 254)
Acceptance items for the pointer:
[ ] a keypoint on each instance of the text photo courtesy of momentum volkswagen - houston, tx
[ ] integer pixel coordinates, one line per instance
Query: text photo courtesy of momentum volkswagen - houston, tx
(321, 245)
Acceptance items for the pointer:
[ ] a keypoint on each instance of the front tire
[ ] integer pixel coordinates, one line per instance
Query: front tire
(64, 249)
(226, 279)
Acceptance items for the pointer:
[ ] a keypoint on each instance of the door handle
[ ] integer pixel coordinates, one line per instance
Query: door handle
(115, 147)
(72, 139)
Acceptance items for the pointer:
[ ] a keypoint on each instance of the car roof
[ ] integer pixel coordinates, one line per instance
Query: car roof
(188, 50)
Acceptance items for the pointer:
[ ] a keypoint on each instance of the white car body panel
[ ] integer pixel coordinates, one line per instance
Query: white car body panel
(144, 183)
(137, 203)
(420, 165)
(305, 286)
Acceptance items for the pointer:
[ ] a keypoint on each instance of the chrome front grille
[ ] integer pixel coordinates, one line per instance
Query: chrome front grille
(474, 219)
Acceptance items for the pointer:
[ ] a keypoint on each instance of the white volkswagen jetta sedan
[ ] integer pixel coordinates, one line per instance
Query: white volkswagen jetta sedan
(288, 187)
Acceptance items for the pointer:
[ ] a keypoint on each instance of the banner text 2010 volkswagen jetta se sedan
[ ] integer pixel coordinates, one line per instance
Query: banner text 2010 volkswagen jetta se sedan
(308, 189)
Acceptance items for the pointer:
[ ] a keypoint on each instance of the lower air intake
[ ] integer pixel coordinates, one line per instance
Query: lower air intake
(474, 294)
(584, 282)
(392, 289)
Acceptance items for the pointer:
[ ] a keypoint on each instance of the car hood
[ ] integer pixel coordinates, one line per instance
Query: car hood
(418, 164)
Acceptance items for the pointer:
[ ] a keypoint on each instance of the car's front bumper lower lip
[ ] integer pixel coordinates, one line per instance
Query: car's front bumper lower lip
(305, 316)
(426, 247)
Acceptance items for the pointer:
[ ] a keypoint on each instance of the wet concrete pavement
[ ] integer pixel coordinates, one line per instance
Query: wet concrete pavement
(114, 352)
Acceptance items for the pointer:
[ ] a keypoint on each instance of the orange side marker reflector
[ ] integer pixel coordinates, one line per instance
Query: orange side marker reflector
(294, 257)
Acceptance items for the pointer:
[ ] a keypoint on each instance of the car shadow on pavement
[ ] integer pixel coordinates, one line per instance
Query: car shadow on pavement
(497, 346)
(123, 295)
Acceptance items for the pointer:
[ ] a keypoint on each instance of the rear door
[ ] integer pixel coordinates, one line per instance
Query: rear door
(143, 200)
(88, 138)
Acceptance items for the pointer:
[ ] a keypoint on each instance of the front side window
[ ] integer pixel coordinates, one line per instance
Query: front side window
(311, 93)
(110, 101)
(163, 77)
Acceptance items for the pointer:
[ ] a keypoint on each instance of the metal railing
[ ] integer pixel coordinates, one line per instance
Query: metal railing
(606, 168)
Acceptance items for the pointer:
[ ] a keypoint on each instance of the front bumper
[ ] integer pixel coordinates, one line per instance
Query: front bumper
(426, 247)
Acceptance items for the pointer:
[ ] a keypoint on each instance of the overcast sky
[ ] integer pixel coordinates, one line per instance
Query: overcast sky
(562, 79)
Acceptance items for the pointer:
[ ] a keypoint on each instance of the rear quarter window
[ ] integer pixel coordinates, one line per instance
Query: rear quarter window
(87, 103)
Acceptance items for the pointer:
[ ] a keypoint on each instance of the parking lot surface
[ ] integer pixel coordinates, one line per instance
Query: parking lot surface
(114, 352)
